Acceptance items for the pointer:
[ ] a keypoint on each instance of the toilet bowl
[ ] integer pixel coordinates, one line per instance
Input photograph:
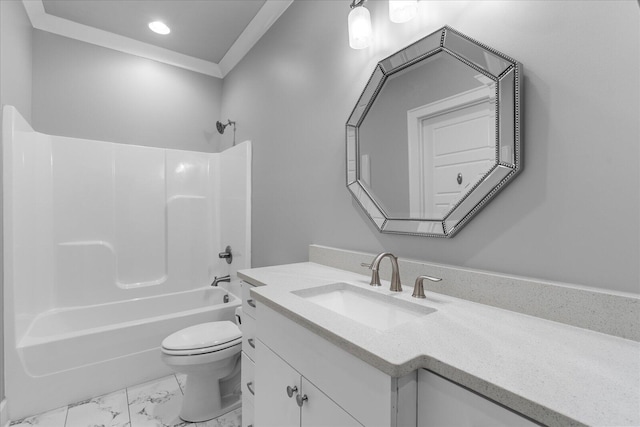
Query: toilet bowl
(209, 354)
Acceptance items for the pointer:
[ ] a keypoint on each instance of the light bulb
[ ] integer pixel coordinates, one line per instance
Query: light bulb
(402, 10)
(359, 28)
(159, 27)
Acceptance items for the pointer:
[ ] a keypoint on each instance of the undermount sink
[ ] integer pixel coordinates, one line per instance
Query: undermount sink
(370, 308)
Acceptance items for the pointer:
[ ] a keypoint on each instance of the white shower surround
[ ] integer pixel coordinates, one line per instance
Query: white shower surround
(121, 243)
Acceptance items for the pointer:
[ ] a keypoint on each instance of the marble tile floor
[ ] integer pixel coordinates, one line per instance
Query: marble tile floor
(152, 404)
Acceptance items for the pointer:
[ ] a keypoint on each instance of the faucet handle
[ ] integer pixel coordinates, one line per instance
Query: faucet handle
(226, 255)
(418, 288)
(375, 276)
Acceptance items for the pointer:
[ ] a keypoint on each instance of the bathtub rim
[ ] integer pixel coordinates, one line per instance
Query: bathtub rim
(26, 340)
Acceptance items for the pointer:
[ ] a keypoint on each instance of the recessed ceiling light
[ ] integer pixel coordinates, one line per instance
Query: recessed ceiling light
(159, 27)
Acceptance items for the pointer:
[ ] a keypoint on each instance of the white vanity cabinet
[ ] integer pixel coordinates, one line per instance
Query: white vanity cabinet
(287, 399)
(340, 389)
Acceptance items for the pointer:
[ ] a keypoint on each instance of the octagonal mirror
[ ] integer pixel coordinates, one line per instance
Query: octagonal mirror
(435, 135)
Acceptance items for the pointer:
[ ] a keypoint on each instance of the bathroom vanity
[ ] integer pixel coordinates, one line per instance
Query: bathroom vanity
(450, 362)
(350, 392)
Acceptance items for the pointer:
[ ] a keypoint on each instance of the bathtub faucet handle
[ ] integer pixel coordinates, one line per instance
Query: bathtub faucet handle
(226, 255)
(217, 280)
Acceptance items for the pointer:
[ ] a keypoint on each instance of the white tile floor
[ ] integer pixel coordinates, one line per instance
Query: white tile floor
(153, 404)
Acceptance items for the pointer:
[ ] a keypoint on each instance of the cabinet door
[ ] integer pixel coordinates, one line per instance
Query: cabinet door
(446, 404)
(320, 411)
(273, 407)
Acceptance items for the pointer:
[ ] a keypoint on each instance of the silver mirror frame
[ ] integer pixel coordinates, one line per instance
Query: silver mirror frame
(505, 71)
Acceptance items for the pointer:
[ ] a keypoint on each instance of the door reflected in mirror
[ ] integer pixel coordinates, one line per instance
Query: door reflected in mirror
(428, 137)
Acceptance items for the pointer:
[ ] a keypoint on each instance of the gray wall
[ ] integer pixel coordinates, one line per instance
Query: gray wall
(86, 91)
(571, 216)
(15, 89)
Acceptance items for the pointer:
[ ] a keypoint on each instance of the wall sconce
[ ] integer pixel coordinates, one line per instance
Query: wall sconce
(359, 25)
(402, 10)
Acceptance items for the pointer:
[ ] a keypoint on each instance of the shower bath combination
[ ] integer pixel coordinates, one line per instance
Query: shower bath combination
(221, 127)
(101, 270)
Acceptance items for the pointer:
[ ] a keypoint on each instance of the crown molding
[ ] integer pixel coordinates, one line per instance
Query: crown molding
(264, 19)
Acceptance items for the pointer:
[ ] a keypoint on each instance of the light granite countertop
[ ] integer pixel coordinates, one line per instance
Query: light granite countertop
(553, 373)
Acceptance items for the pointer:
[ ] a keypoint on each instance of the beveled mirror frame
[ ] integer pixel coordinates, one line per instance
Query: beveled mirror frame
(504, 71)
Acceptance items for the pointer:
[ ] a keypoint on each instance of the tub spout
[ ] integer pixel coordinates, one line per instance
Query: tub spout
(217, 280)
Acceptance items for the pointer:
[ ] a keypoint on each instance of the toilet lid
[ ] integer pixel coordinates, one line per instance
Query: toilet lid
(204, 335)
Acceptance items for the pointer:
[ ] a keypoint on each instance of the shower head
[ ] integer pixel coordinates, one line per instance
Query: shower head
(221, 126)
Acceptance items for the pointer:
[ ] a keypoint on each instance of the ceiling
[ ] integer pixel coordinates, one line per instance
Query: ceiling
(207, 36)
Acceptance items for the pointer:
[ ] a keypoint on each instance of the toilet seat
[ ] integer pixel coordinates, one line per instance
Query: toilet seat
(204, 338)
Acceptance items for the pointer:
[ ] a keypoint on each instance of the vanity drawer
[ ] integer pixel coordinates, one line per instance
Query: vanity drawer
(247, 377)
(249, 337)
(248, 303)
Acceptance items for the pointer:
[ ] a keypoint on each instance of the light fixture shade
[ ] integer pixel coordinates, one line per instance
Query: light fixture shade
(359, 28)
(159, 27)
(402, 10)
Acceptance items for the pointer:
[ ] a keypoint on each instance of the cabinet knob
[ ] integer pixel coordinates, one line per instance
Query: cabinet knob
(291, 390)
(300, 399)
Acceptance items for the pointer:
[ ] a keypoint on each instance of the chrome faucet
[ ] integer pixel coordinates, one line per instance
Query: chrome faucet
(396, 286)
(418, 288)
(217, 280)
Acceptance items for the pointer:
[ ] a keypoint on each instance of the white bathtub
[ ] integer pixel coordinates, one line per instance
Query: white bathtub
(78, 353)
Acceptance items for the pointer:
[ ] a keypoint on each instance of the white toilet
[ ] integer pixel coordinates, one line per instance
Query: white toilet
(209, 354)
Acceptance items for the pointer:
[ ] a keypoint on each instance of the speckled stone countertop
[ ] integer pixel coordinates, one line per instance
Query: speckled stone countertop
(553, 373)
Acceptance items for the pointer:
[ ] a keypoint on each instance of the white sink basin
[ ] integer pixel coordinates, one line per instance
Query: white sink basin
(370, 308)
